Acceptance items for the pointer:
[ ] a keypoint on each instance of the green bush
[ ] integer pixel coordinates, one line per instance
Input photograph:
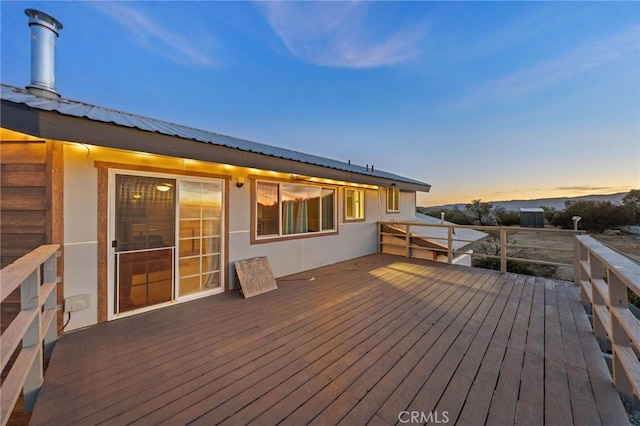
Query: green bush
(596, 215)
(634, 299)
(508, 217)
(453, 216)
(512, 265)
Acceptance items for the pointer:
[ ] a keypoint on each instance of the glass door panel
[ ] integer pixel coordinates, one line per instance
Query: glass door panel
(144, 240)
(145, 278)
(200, 230)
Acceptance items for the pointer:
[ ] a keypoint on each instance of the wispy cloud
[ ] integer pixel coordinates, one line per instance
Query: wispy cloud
(517, 86)
(510, 36)
(155, 35)
(335, 34)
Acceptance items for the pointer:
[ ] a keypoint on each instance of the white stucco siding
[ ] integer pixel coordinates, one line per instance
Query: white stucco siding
(286, 257)
(407, 206)
(354, 238)
(80, 233)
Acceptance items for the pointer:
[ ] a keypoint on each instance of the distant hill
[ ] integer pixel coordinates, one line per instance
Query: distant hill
(557, 203)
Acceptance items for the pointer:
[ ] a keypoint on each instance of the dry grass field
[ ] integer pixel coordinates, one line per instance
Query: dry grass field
(558, 247)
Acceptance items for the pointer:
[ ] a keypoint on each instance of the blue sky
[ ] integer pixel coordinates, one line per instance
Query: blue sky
(489, 100)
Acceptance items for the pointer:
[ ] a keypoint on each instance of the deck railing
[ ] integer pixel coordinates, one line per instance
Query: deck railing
(396, 237)
(35, 325)
(606, 278)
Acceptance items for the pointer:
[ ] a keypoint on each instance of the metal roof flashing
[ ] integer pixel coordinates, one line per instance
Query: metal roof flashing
(81, 110)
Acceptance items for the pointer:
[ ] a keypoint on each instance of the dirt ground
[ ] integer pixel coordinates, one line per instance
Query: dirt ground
(628, 244)
(550, 242)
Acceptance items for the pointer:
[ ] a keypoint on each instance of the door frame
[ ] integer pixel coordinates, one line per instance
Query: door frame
(106, 182)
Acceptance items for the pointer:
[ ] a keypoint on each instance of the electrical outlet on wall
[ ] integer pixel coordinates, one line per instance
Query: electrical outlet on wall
(76, 303)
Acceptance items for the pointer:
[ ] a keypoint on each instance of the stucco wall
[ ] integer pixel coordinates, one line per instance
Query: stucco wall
(80, 234)
(354, 239)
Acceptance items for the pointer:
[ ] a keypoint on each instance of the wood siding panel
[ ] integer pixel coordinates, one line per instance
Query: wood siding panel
(23, 199)
(22, 222)
(26, 198)
(18, 175)
(21, 242)
(23, 152)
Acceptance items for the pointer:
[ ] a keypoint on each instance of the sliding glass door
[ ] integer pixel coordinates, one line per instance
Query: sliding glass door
(167, 239)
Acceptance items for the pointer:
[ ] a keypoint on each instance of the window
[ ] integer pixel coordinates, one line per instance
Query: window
(268, 202)
(288, 209)
(393, 200)
(353, 204)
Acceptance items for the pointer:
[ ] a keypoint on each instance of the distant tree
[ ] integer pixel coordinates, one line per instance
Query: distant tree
(506, 217)
(596, 215)
(453, 216)
(480, 213)
(632, 201)
(428, 211)
(456, 216)
(549, 212)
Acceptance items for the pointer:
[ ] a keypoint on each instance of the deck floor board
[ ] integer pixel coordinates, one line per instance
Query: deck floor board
(358, 342)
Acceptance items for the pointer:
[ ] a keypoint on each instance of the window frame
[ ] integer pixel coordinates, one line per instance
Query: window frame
(257, 239)
(395, 199)
(363, 205)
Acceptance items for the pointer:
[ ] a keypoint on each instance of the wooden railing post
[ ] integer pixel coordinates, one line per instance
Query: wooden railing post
(580, 254)
(619, 300)
(503, 251)
(597, 273)
(50, 275)
(449, 245)
(408, 240)
(30, 299)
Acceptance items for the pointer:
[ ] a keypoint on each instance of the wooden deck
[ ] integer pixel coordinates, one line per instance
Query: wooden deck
(359, 342)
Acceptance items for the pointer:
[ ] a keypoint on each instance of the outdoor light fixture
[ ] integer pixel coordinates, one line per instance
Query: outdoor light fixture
(164, 187)
(240, 182)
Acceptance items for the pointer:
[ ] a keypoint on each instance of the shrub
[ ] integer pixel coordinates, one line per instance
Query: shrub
(596, 215)
(632, 200)
(508, 217)
(633, 298)
(512, 265)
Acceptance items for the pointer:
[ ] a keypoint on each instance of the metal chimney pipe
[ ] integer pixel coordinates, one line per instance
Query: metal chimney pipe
(44, 32)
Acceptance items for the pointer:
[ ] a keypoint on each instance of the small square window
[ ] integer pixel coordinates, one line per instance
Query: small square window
(353, 204)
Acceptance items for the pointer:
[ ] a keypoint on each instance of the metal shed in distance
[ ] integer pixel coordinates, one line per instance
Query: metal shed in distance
(532, 218)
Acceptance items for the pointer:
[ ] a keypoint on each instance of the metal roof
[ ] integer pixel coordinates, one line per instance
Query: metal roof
(439, 235)
(531, 210)
(96, 113)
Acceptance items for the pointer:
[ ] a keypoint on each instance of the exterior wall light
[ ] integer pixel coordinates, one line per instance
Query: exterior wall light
(240, 182)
